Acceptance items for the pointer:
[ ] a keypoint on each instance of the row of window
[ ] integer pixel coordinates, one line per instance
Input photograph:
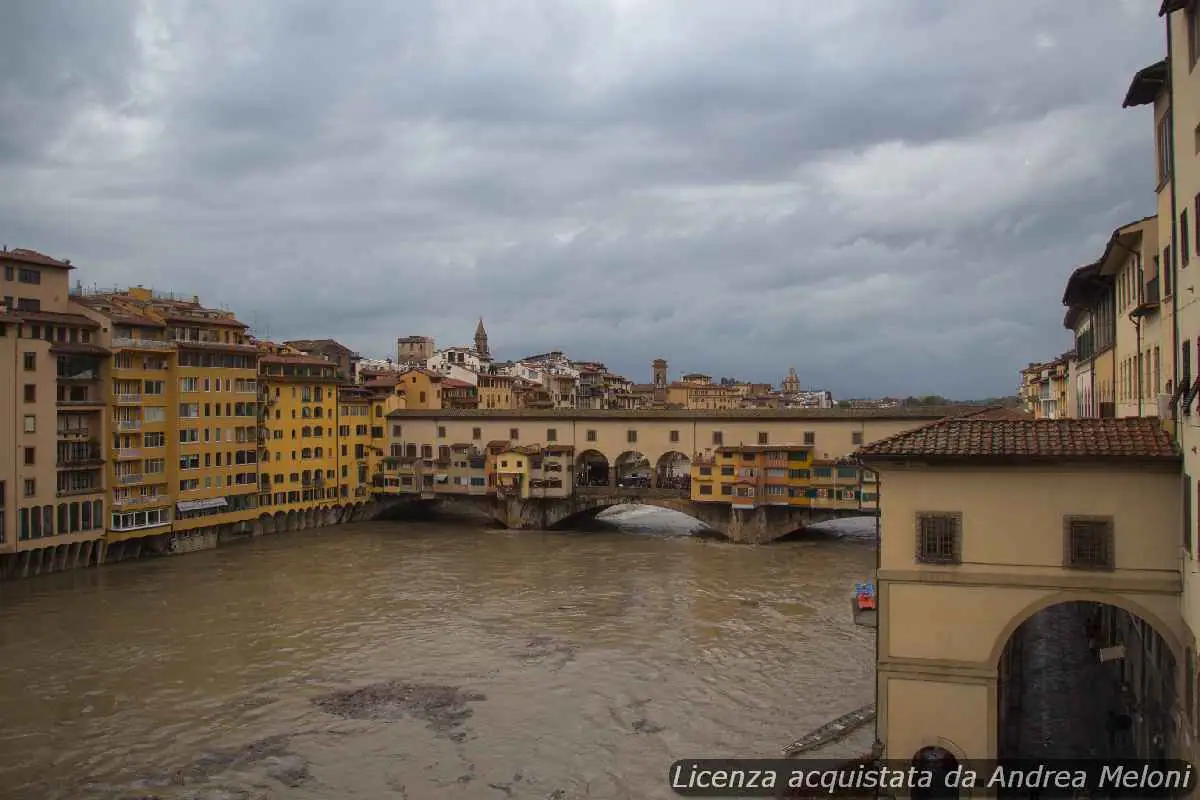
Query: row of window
(240, 479)
(812, 493)
(631, 435)
(233, 503)
(188, 358)
(1087, 541)
(237, 385)
(192, 410)
(232, 458)
(22, 274)
(39, 522)
(244, 435)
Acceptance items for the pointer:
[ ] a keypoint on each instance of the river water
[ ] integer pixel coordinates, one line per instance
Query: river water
(493, 664)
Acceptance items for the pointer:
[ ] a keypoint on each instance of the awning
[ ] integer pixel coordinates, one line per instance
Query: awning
(200, 505)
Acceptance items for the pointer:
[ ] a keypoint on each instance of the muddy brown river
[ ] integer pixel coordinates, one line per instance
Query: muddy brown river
(427, 661)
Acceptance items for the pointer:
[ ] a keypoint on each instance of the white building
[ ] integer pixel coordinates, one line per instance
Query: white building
(460, 363)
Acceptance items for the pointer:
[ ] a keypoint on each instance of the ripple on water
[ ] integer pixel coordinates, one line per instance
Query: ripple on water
(602, 656)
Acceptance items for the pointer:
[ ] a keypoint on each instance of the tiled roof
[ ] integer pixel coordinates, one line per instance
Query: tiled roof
(56, 317)
(966, 438)
(294, 359)
(433, 376)
(455, 383)
(1001, 413)
(33, 257)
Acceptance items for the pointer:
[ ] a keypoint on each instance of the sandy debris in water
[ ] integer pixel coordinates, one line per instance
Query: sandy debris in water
(444, 708)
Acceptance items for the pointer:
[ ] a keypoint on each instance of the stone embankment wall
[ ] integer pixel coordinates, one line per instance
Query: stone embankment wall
(96, 552)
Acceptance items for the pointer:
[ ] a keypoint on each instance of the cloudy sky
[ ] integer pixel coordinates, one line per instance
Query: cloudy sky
(885, 194)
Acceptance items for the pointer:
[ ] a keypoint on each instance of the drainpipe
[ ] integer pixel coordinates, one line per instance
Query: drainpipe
(1137, 328)
(877, 747)
(1174, 228)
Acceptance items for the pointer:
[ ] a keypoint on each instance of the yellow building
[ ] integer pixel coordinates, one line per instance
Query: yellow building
(358, 453)
(301, 459)
(422, 388)
(52, 421)
(697, 391)
(183, 402)
(752, 475)
(511, 470)
(496, 392)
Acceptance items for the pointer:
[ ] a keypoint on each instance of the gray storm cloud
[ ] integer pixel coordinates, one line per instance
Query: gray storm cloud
(886, 195)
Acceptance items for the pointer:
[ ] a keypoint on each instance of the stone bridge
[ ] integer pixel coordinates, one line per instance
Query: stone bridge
(751, 526)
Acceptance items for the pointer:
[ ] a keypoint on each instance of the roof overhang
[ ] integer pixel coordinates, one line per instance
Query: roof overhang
(1102, 462)
(1148, 83)
(1171, 6)
(1084, 285)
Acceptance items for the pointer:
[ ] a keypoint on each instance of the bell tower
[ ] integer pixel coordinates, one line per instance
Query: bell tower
(481, 341)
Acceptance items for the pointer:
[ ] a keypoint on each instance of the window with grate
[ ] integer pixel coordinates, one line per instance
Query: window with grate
(1088, 543)
(939, 538)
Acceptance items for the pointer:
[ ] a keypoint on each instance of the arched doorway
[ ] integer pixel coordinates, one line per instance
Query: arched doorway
(633, 470)
(939, 763)
(674, 471)
(1083, 679)
(591, 469)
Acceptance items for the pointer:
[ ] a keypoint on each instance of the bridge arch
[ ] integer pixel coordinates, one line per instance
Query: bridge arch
(633, 468)
(1110, 675)
(673, 470)
(592, 469)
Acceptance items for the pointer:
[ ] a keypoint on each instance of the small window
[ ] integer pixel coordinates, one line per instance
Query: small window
(30, 456)
(514, 433)
(30, 362)
(718, 438)
(706, 488)
(939, 538)
(1185, 236)
(674, 436)
(476, 433)
(30, 487)
(591, 436)
(30, 393)
(397, 431)
(441, 431)
(856, 438)
(551, 435)
(810, 437)
(763, 437)
(30, 425)
(631, 436)
(1088, 542)
(726, 489)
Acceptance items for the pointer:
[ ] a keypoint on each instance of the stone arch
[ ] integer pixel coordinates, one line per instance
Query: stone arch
(673, 470)
(280, 522)
(339, 513)
(1169, 633)
(592, 469)
(266, 523)
(292, 522)
(632, 465)
(939, 761)
(942, 743)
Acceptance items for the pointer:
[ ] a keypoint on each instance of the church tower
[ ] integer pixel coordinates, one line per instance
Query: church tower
(481, 342)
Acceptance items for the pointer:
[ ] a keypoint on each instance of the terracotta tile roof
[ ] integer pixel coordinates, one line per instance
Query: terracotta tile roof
(433, 376)
(79, 349)
(34, 257)
(383, 382)
(455, 383)
(55, 317)
(298, 360)
(967, 438)
(1001, 413)
(319, 344)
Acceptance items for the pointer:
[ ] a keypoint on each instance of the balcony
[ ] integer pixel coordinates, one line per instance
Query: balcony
(79, 398)
(79, 462)
(130, 502)
(125, 453)
(74, 433)
(125, 342)
(129, 424)
(76, 491)
(1150, 299)
(130, 480)
(129, 399)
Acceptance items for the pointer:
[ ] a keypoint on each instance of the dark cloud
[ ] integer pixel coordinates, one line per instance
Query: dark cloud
(886, 195)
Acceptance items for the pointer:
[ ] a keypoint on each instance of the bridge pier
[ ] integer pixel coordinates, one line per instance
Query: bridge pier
(748, 526)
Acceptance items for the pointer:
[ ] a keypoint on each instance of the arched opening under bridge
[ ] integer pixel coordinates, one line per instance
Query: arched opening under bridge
(591, 469)
(673, 471)
(1085, 679)
(633, 470)
(939, 763)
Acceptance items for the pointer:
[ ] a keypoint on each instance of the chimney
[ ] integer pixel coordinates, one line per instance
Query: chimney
(195, 299)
